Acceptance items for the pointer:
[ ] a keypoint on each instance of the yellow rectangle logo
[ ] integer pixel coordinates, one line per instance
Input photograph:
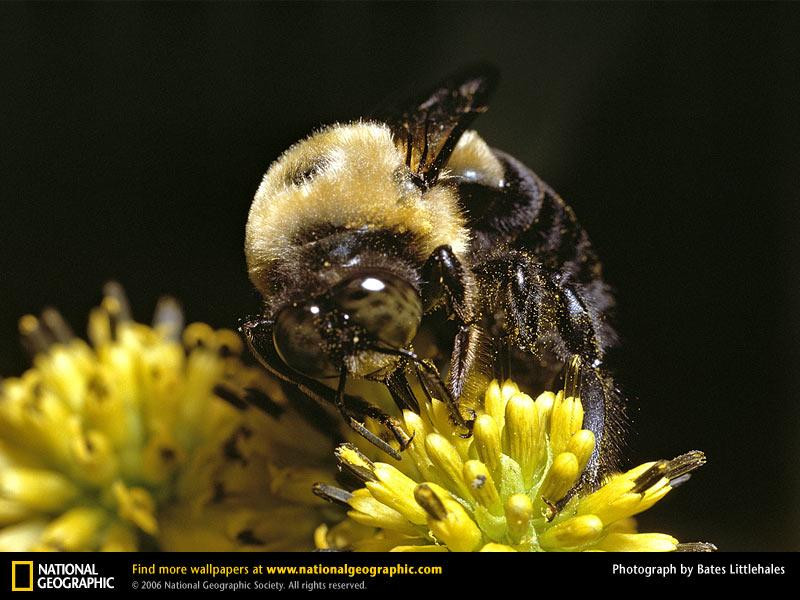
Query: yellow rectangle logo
(21, 575)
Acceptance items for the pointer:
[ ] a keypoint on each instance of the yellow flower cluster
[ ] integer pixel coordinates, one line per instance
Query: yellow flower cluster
(127, 443)
(510, 487)
(148, 438)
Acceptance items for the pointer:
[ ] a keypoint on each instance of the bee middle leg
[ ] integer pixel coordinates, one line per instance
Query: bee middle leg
(448, 282)
(354, 409)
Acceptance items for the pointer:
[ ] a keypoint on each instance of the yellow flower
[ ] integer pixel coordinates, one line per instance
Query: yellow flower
(143, 440)
(510, 487)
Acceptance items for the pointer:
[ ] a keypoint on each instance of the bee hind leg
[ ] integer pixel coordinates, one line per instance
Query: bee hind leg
(540, 307)
(603, 416)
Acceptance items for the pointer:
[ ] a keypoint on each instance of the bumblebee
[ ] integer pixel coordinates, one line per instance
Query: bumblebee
(369, 236)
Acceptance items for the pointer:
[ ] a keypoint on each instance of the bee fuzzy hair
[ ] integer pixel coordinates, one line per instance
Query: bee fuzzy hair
(349, 176)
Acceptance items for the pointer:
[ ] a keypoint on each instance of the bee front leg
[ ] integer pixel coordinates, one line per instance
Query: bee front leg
(429, 380)
(257, 333)
(353, 409)
(400, 389)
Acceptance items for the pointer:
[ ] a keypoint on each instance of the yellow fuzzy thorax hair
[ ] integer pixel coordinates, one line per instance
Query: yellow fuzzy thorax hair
(351, 176)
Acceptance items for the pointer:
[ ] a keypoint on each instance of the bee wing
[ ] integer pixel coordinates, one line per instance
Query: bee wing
(428, 126)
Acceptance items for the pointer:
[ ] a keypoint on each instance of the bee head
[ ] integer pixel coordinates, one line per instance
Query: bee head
(335, 238)
(319, 336)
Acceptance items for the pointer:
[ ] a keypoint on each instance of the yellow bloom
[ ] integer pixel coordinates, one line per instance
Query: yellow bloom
(510, 487)
(143, 440)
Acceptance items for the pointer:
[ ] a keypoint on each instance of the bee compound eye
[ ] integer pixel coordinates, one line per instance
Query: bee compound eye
(299, 342)
(386, 306)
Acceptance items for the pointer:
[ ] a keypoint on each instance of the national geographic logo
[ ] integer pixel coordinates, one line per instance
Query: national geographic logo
(21, 575)
(27, 576)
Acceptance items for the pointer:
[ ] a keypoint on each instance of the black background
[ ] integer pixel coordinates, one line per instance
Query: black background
(134, 136)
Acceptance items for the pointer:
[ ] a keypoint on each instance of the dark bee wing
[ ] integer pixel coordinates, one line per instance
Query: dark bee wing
(427, 127)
